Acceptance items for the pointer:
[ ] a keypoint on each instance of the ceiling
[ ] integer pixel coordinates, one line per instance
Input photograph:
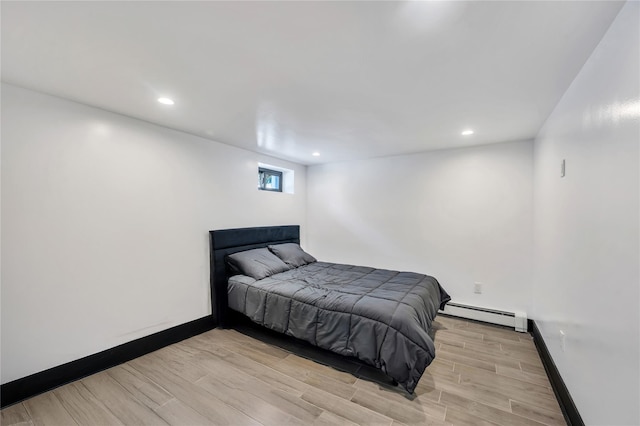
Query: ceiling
(349, 80)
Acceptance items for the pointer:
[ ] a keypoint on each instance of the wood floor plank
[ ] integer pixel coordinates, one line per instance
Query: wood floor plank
(460, 335)
(178, 360)
(46, 409)
(453, 340)
(547, 417)
(467, 360)
(409, 414)
(485, 412)
(206, 343)
(533, 368)
(215, 349)
(120, 402)
(329, 384)
(330, 419)
(525, 355)
(254, 368)
(539, 396)
(524, 376)
(524, 344)
(226, 373)
(237, 380)
(83, 406)
(448, 321)
(251, 353)
(344, 408)
(489, 348)
(270, 376)
(321, 369)
(256, 344)
(497, 359)
(234, 337)
(284, 400)
(282, 382)
(16, 415)
(191, 394)
(478, 393)
(510, 344)
(315, 378)
(429, 393)
(177, 413)
(432, 378)
(459, 417)
(143, 389)
(482, 391)
(186, 348)
(496, 331)
(447, 346)
(456, 343)
(393, 393)
(247, 403)
(440, 364)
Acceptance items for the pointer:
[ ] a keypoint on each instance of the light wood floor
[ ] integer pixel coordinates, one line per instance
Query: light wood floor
(482, 375)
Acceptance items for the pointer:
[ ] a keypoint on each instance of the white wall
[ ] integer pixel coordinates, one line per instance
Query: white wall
(105, 224)
(461, 215)
(586, 229)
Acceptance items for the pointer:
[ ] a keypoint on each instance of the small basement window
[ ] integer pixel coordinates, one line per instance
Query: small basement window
(275, 178)
(269, 180)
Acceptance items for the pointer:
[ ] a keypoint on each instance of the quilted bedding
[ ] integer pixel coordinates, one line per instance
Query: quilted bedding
(379, 316)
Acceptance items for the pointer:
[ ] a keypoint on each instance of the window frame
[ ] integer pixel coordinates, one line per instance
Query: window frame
(269, 172)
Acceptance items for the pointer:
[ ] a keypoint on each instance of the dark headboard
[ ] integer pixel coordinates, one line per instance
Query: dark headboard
(229, 241)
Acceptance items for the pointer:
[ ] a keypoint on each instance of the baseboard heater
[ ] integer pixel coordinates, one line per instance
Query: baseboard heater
(517, 320)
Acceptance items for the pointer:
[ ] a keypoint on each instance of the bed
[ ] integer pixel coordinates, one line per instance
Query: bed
(379, 316)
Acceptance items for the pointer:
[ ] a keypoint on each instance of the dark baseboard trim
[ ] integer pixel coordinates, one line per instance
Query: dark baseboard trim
(37, 383)
(568, 407)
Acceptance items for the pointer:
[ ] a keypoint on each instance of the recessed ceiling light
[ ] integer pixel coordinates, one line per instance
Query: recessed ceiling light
(467, 132)
(166, 101)
(316, 154)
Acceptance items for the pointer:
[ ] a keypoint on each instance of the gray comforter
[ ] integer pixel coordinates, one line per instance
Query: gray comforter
(379, 316)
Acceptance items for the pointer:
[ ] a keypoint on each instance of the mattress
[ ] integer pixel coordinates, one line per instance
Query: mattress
(379, 316)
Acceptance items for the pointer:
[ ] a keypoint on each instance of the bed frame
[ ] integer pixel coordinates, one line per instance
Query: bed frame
(228, 241)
